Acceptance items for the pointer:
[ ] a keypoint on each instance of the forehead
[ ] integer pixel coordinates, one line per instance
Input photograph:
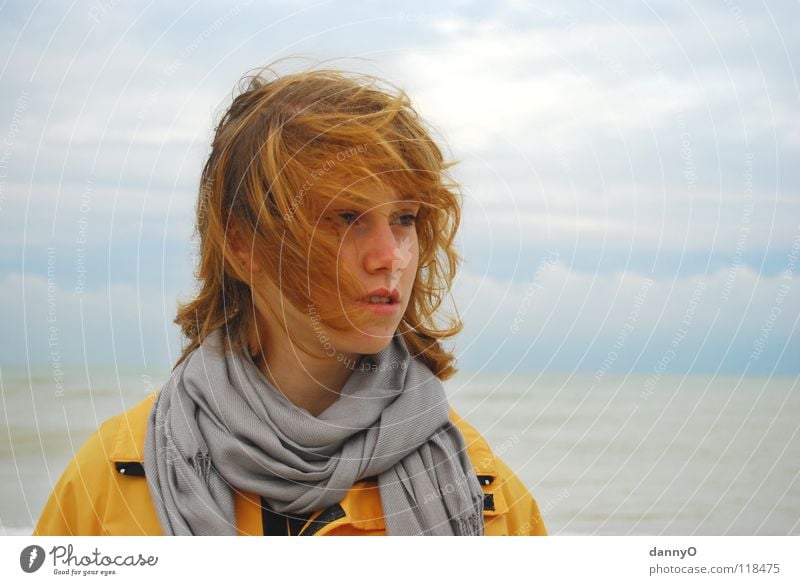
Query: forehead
(383, 195)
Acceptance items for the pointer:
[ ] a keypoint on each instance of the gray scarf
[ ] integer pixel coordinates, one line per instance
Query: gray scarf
(219, 423)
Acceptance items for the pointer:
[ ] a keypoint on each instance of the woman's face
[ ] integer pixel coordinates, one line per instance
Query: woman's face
(379, 246)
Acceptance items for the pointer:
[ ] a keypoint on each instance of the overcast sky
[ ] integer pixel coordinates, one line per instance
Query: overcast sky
(630, 171)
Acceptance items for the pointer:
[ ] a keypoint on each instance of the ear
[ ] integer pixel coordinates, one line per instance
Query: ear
(242, 250)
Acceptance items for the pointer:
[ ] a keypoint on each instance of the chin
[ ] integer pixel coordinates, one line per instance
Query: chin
(372, 342)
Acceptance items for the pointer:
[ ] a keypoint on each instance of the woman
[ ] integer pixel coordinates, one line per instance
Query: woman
(309, 398)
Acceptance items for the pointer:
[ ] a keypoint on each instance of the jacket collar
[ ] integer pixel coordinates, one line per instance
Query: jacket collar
(128, 445)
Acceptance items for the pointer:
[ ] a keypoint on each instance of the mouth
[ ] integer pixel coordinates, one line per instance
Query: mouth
(381, 296)
(381, 302)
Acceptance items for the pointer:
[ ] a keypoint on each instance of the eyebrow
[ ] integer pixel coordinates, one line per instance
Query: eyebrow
(362, 202)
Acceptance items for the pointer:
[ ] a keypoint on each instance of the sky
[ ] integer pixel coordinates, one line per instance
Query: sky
(629, 171)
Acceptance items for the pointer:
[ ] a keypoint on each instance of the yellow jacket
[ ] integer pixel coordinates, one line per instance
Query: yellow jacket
(103, 492)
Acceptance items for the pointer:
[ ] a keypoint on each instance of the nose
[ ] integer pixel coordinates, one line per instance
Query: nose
(379, 252)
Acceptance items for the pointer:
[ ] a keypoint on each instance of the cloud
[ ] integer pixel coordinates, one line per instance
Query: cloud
(556, 318)
(564, 320)
(49, 322)
(632, 139)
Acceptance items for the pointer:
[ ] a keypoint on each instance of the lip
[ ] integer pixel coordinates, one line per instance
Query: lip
(383, 292)
(382, 308)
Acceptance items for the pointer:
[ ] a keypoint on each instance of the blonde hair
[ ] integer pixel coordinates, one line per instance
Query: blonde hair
(285, 149)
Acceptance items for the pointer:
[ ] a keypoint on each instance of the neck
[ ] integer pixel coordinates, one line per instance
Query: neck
(311, 383)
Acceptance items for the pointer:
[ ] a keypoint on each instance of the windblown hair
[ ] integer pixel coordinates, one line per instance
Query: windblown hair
(287, 148)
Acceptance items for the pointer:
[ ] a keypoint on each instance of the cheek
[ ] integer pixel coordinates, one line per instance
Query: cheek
(414, 264)
(407, 252)
(348, 258)
(409, 272)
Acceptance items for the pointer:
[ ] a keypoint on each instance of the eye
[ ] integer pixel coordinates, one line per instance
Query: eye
(408, 219)
(348, 214)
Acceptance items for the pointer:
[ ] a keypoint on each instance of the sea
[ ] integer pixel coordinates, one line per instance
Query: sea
(602, 455)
